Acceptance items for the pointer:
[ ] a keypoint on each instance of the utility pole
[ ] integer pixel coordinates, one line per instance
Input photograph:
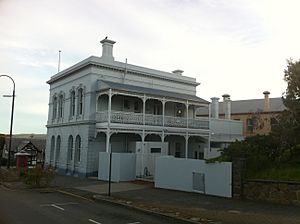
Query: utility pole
(11, 117)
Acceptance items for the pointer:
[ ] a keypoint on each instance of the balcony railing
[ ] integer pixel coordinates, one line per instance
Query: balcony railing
(151, 119)
(175, 122)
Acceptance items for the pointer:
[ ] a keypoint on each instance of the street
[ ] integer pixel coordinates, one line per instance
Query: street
(32, 206)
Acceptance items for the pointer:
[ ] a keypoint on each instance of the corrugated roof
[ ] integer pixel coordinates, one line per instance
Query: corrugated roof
(150, 91)
(254, 105)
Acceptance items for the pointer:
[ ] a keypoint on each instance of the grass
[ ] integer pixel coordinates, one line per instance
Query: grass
(285, 173)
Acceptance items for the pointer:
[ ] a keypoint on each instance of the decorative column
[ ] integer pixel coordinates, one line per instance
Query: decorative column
(187, 114)
(108, 121)
(143, 134)
(209, 126)
(108, 141)
(186, 145)
(163, 111)
(142, 153)
(144, 109)
(109, 108)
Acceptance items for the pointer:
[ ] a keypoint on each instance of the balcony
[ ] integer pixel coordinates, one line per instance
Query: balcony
(152, 120)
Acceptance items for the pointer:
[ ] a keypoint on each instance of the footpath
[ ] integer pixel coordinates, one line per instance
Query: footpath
(191, 207)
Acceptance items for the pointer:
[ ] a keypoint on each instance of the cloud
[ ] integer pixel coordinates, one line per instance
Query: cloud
(232, 46)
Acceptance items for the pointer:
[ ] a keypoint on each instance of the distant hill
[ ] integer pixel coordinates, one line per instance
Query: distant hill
(30, 136)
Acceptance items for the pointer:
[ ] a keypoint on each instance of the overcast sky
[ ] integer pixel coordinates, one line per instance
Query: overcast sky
(237, 47)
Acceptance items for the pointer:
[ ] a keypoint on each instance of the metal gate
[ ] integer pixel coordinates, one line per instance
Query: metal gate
(199, 182)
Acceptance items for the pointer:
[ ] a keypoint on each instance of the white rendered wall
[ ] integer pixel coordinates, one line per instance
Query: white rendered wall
(212, 153)
(177, 174)
(97, 145)
(64, 132)
(123, 166)
(145, 159)
(226, 130)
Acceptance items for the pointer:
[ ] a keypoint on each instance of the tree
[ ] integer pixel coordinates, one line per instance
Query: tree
(283, 143)
(291, 99)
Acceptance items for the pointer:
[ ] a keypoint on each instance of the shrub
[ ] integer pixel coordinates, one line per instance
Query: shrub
(39, 177)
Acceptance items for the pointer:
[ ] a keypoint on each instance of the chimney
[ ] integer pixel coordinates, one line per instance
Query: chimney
(107, 49)
(227, 106)
(266, 101)
(215, 107)
(177, 72)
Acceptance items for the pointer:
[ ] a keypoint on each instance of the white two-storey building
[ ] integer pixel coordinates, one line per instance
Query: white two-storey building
(100, 104)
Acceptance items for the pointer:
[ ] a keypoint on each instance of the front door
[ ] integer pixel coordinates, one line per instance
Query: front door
(178, 149)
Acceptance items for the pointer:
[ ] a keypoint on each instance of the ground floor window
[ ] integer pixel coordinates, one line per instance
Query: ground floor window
(58, 142)
(52, 148)
(77, 148)
(70, 148)
(177, 149)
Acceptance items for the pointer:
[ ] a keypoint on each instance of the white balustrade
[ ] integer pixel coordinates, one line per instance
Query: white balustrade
(154, 120)
(126, 117)
(175, 121)
(151, 119)
(199, 123)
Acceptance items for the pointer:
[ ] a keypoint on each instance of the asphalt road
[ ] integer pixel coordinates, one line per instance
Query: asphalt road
(31, 206)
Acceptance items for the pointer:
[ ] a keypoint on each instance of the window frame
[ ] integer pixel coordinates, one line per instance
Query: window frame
(54, 109)
(80, 101)
(72, 103)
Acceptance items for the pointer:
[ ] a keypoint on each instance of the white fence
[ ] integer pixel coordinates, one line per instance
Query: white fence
(193, 176)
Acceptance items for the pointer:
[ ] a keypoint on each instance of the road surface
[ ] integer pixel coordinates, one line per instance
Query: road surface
(31, 206)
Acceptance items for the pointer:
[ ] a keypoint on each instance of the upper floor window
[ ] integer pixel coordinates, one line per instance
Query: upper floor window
(72, 109)
(80, 101)
(54, 114)
(179, 110)
(137, 107)
(250, 125)
(126, 104)
(60, 106)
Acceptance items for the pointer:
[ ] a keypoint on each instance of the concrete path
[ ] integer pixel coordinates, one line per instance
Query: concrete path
(115, 187)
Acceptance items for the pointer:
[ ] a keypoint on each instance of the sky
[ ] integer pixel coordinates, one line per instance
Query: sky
(239, 47)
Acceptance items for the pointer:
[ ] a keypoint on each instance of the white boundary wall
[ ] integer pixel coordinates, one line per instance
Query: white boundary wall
(122, 166)
(177, 174)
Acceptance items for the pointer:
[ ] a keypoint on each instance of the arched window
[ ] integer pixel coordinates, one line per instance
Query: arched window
(80, 101)
(72, 109)
(77, 148)
(70, 148)
(57, 154)
(54, 107)
(60, 106)
(52, 146)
